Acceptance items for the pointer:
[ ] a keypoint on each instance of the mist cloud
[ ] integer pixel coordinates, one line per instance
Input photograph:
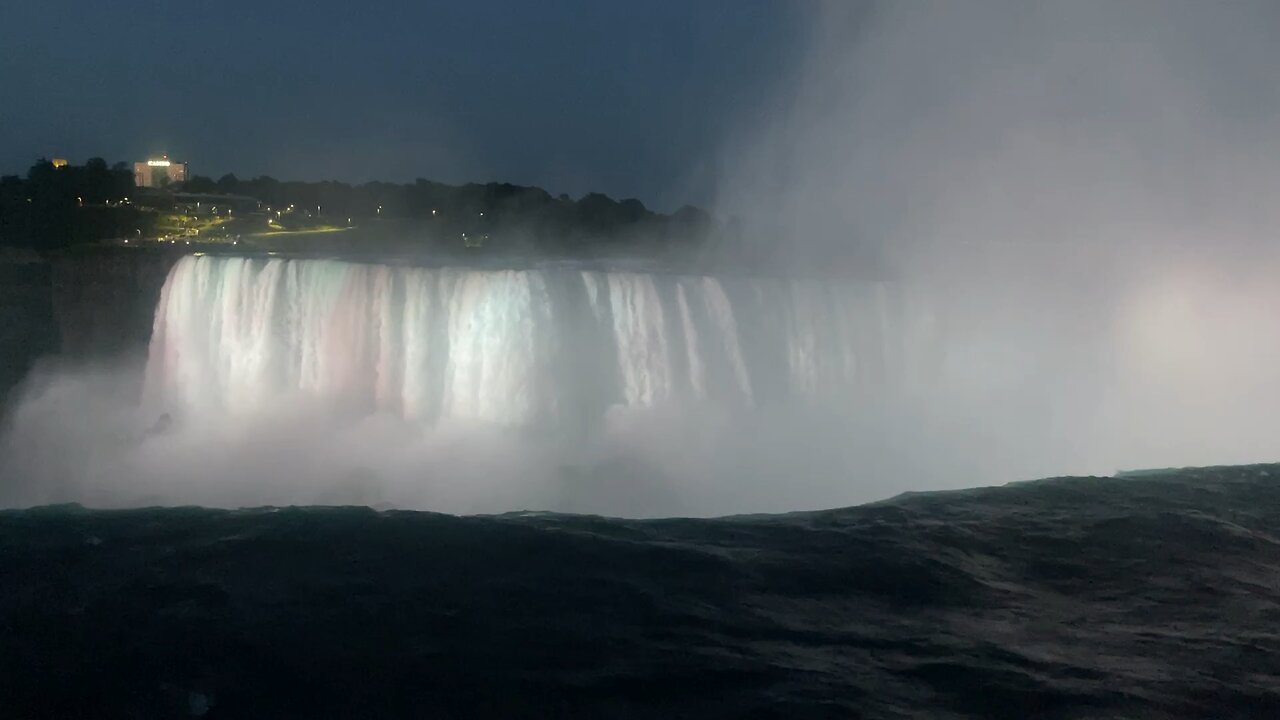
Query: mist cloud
(1085, 190)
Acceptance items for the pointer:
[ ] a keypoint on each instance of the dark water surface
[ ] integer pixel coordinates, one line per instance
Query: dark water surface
(1139, 597)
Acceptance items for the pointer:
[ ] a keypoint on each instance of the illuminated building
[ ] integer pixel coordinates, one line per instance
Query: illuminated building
(158, 172)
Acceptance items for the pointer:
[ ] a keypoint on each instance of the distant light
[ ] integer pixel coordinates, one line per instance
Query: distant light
(126, 241)
(433, 212)
(198, 254)
(188, 242)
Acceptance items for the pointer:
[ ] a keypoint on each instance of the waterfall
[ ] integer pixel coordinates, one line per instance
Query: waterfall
(515, 347)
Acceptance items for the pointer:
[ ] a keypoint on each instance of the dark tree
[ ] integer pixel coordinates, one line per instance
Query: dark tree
(199, 184)
(53, 207)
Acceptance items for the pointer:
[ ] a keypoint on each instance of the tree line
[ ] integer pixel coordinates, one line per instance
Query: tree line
(498, 216)
(55, 207)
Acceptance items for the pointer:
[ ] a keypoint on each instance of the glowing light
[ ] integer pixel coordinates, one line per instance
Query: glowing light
(158, 163)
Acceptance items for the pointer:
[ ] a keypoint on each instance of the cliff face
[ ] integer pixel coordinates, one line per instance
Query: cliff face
(27, 327)
(104, 299)
(84, 304)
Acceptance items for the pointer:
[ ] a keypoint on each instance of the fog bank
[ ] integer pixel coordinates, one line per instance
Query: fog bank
(1087, 189)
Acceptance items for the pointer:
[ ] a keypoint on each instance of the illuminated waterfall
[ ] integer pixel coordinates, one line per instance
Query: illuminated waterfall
(516, 346)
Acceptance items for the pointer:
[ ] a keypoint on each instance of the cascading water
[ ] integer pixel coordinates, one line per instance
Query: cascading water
(462, 390)
(517, 347)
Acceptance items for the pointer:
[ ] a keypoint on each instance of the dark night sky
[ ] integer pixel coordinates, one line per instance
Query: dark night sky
(628, 98)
